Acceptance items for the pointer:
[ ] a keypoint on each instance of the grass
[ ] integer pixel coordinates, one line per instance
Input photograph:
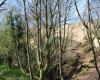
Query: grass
(11, 74)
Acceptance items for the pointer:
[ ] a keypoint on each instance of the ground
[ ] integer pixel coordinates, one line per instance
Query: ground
(88, 72)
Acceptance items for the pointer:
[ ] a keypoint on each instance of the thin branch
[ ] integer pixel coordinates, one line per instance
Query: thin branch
(3, 2)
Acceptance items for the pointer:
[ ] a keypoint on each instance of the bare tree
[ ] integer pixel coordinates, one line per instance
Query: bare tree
(47, 17)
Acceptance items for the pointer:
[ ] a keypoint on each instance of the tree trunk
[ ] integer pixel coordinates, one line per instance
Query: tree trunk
(27, 42)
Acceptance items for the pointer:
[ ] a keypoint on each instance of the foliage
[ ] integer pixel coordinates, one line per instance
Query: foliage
(4, 40)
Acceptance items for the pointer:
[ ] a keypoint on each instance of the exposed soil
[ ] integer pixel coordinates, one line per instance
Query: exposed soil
(88, 71)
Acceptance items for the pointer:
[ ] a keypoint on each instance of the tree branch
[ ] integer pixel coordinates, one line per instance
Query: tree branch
(2, 2)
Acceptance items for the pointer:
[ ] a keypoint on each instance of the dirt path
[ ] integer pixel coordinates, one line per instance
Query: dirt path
(87, 73)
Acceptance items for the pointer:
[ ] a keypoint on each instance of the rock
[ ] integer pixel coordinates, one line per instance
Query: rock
(71, 58)
(88, 65)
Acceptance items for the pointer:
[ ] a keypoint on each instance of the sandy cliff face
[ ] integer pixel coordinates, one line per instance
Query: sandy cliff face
(79, 33)
(76, 32)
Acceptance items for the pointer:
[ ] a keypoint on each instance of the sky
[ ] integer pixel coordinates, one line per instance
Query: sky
(81, 7)
(12, 3)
